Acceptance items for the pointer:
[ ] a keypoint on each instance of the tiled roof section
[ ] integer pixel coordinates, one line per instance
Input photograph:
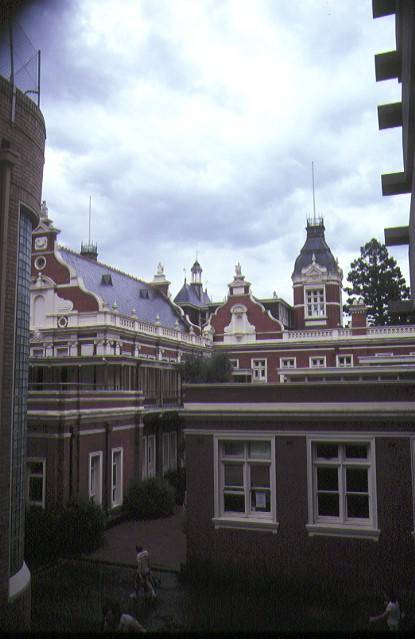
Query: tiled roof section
(128, 292)
(316, 245)
(189, 293)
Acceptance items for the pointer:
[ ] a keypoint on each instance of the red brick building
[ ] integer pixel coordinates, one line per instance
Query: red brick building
(104, 389)
(304, 474)
(307, 341)
(305, 484)
(22, 141)
(310, 481)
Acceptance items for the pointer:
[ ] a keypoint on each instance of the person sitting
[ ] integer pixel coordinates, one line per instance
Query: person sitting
(114, 620)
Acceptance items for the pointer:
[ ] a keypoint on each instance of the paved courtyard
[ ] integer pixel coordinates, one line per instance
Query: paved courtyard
(163, 538)
(67, 598)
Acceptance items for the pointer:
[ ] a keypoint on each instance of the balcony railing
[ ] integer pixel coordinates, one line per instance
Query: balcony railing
(116, 319)
(70, 390)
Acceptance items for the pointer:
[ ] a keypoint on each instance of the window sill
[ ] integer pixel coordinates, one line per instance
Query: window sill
(247, 524)
(343, 531)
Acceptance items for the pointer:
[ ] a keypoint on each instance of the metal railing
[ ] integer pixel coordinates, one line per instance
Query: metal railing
(20, 61)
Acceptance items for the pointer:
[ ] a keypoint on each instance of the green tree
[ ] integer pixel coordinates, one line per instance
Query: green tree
(376, 277)
(199, 369)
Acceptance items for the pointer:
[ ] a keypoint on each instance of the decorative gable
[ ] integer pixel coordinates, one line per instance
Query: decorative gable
(239, 329)
(312, 273)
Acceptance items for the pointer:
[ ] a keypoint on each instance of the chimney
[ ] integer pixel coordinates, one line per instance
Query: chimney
(358, 311)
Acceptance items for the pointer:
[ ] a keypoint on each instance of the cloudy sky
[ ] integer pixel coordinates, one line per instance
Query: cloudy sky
(193, 125)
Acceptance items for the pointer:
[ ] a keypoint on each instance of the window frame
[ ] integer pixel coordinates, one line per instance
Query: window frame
(284, 366)
(256, 368)
(263, 521)
(29, 475)
(342, 526)
(307, 304)
(117, 503)
(173, 450)
(344, 355)
(151, 472)
(169, 453)
(95, 454)
(317, 366)
(144, 458)
(234, 362)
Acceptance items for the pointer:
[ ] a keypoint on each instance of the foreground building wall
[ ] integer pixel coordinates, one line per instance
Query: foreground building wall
(22, 133)
(302, 484)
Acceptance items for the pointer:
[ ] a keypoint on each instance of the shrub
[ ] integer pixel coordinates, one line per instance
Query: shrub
(42, 535)
(61, 531)
(83, 524)
(177, 479)
(151, 498)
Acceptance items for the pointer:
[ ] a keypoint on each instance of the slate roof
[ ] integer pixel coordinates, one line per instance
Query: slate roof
(189, 294)
(124, 290)
(317, 245)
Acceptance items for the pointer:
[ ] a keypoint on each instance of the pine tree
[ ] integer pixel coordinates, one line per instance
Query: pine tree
(376, 277)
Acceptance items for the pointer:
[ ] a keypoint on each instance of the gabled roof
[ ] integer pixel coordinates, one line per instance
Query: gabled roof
(126, 291)
(189, 293)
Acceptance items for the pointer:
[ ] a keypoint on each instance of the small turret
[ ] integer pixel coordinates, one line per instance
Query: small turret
(89, 249)
(192, 298)
(317, 281)
(196, 273)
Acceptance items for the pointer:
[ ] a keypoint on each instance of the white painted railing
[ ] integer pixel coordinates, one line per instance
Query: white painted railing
(313, 334)
(392, 330)
(115, 319)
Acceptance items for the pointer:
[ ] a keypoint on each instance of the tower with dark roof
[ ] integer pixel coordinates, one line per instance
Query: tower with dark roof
(192, 298)
(317, 282)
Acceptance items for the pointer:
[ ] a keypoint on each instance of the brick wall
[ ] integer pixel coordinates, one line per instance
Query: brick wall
(21, 183)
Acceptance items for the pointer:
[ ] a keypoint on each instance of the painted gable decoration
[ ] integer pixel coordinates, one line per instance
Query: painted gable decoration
(239, 329)
(242, 318)
(314, 272)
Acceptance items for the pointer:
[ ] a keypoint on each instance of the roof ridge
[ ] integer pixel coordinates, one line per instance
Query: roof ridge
(103, 264)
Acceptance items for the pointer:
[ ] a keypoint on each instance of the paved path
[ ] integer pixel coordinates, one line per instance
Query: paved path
(163, 538)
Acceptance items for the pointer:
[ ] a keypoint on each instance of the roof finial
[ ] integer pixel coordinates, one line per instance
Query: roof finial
(89, 233)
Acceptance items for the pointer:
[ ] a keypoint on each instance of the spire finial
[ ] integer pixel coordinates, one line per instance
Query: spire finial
(314, 193)
(89, 233)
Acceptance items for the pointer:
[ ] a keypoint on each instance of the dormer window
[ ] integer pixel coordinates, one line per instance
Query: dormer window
(106, 279)
(144, 293)
(315, 304)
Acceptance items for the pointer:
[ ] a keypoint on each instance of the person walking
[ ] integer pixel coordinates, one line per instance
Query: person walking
(143, 576)
(392, 613)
